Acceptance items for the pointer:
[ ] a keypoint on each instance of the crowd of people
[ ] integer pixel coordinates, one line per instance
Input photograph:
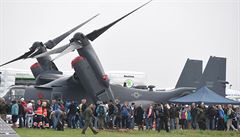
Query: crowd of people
(115, 115)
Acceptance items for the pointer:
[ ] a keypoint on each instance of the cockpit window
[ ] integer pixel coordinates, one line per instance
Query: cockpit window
(16, 93)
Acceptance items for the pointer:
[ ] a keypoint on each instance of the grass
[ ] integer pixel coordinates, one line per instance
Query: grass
(77, 133)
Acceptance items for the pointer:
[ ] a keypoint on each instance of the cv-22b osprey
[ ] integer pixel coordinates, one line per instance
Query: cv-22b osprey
(45, 69)
(90, 81)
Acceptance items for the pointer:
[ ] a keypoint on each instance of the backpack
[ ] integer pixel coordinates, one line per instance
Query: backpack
(183, 115)
(124, 111)
(160, 112)
(232, 115)
(101, 111)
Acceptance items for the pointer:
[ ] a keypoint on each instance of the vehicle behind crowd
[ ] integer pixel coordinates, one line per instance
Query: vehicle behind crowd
(113, 115)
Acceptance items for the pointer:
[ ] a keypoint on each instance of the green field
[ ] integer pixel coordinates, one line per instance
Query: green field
(77, 133)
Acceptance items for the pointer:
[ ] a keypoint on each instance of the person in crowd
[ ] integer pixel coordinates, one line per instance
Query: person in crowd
(149, 117)
(72, 110)
(131, 116)
(201, 117)
(29, 115)
(3, 108)
(230, 116)
(125, 112)
(41, 115)
(55, 113)
(220, 125)
(57, 117)
(172, 113)
(211, 114)
(49, 112)
(177, 114)
(238, 117)
(118, 116)
(189, 118)
(101, 114)
(37, 120)
(95, 115)
(88, 114)
(161, 116)
(110, 116)
(82, 107)
(106, 108)
(45, 120)
(183, 117)
(194, 116)
(156, 110)
(166, 116)
(22, 112)
(14, 113)
(139, 112)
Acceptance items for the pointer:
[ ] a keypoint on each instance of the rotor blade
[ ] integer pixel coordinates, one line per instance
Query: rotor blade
(52, 43)
(24, 56)
(35, 53)
(71, 48)
(96, 33)
(54, 51)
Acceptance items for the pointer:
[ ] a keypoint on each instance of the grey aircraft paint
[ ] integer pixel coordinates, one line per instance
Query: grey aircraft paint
(191, 73)
(214, 75)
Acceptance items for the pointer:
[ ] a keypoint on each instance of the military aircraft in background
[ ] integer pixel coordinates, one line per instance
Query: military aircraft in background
(90, 81)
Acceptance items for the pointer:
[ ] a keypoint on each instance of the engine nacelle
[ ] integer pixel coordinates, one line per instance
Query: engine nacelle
(89, 81)
(36, 69)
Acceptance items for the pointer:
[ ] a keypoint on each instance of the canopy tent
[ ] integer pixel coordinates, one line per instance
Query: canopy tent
(204, 95)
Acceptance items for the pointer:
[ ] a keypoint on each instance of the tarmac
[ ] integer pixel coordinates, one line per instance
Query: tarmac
(6, 130)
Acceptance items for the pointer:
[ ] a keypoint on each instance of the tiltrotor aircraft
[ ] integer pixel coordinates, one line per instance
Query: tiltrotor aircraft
(90, 81)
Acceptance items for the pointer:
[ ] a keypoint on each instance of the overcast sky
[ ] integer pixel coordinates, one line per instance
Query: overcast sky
(156, 40)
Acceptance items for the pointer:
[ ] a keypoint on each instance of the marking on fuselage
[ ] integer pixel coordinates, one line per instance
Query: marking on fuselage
(136, 95)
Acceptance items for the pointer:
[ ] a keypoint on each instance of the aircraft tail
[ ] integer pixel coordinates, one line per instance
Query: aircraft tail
(190, 75)
(214, 75)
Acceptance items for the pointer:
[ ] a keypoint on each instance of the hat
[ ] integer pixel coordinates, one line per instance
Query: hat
(22, 99)
(29, 105)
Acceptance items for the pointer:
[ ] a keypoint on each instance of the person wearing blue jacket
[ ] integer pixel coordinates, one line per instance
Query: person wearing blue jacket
(14, 112)
(220, 118)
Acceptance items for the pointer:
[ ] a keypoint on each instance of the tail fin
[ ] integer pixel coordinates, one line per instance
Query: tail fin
(214, 75)
(190, 75)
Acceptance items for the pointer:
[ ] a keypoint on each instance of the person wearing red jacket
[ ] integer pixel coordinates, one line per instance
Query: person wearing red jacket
(22, 112)
(38, 115)
(45, 119)
(29, 115)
